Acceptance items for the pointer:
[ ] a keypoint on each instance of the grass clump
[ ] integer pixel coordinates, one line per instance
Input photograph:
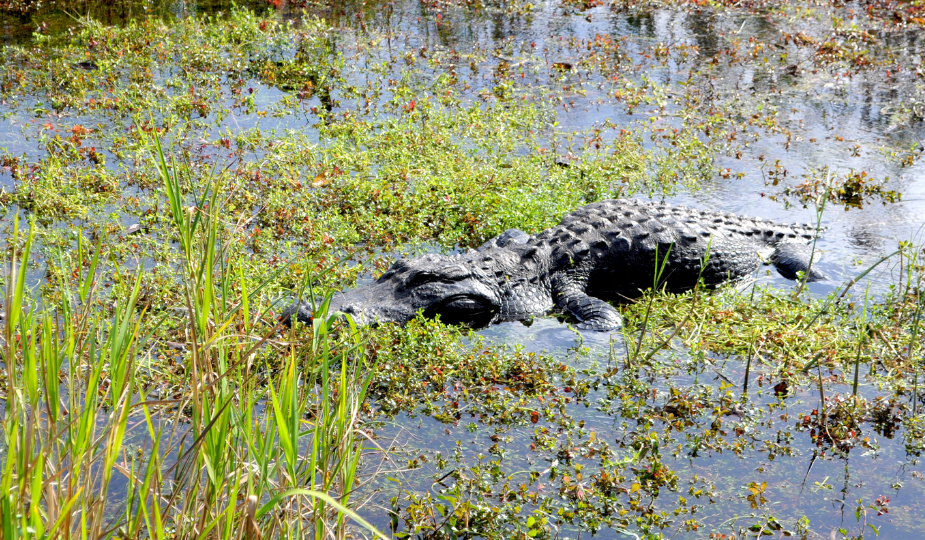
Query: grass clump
(264, 437)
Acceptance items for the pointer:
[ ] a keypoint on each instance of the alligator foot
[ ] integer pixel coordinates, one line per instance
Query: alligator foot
(790, 258)
(592, 313)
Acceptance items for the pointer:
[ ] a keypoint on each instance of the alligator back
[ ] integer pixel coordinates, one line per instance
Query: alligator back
(616, 246)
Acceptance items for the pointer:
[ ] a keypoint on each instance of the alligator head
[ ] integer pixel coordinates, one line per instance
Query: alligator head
(447, 286)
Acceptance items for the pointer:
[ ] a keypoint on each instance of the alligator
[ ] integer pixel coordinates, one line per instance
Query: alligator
(608, 251)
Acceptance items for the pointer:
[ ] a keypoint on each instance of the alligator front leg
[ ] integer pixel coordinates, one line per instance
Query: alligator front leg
(592, 313)
(790, 258)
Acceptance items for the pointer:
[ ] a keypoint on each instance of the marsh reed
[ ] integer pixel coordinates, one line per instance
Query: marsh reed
(265, 441)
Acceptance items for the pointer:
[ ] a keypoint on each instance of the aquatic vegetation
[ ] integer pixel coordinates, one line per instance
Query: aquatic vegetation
(180, 178)
(184, 459)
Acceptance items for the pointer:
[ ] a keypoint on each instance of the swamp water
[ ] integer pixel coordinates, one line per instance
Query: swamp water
(748, 109)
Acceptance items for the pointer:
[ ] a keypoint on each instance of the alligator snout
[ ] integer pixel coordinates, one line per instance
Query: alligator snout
(433, 285)
(366, 306)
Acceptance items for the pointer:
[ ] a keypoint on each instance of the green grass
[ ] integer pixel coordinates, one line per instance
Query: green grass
(240, 448)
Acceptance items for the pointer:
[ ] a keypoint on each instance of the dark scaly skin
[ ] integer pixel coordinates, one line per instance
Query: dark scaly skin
(604, 252)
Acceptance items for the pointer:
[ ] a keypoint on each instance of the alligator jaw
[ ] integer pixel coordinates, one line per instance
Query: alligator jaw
(466, 301)
(371, 305)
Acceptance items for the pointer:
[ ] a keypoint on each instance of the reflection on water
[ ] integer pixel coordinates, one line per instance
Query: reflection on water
(849, 122)
(846, 124)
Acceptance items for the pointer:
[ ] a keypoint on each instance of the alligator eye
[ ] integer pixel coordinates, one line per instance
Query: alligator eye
(421, 278)
(471, 311)
(464, 304)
